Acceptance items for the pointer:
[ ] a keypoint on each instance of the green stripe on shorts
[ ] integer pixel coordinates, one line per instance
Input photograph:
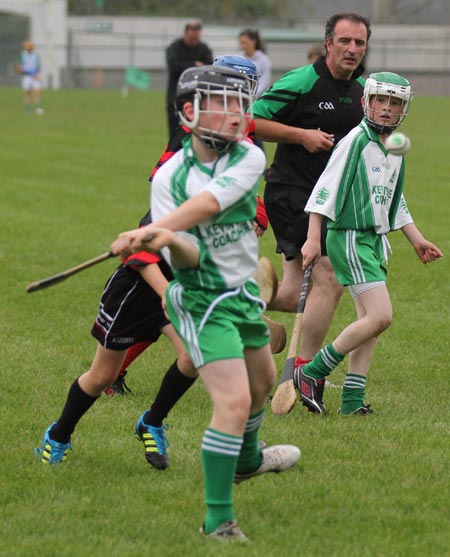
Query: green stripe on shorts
(356, 255)
(217, 325)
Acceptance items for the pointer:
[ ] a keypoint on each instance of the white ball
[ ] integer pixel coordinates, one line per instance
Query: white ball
(398, 143)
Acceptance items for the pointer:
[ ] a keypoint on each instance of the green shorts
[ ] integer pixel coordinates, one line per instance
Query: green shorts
(217, 325)
(357, 256)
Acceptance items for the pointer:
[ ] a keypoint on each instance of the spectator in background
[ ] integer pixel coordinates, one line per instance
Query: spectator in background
(181, 54)
(315, 51)
(29, 68)
(252, 48)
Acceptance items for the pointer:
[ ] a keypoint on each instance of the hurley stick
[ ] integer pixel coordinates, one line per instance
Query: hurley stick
(284, 398)
(50, 281)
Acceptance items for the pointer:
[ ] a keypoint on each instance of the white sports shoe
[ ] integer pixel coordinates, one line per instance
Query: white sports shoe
(227, 531)
(39, 111)
(276, 458)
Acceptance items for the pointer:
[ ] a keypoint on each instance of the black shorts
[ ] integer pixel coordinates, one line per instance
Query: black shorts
(285, 208)
(130, 311)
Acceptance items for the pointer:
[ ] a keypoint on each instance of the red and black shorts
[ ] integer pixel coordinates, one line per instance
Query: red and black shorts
(130, 311)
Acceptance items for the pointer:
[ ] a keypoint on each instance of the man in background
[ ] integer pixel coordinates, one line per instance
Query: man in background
(181, 54)
(306, 112)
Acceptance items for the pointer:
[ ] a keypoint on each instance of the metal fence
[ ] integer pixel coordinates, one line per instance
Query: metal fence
(99, 59)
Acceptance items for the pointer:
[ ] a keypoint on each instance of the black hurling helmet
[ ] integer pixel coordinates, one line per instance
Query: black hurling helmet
(197, 85)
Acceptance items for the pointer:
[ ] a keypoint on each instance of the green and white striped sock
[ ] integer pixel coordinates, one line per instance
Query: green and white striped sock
(353, 392)
(323, 363)
(220, 453)
(250, 457)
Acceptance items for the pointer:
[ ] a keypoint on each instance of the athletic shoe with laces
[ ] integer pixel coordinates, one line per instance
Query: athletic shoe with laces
(155, 443)
(118, 387)
(229, 530)
(275, 458)
(52, 452)
(310, 390)
(363, 410)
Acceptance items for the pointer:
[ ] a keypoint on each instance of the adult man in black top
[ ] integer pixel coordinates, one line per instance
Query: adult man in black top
(184, 53)
(306, 112)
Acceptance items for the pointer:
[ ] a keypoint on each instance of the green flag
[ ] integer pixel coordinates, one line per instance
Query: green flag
(137, 78)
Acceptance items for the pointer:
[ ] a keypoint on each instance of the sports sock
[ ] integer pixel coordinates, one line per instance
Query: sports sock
(323, 363)
(220, 453)
(173, 387)
(77, 404)
(133, 352)
(250, 456)
(353, 392)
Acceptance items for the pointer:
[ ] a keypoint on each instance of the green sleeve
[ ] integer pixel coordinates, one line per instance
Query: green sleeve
(285, 93)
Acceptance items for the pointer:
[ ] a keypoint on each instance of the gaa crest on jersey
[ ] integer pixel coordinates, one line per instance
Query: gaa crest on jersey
(326, 105)
(322, 195)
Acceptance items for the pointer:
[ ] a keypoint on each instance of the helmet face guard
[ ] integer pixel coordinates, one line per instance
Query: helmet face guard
(386, 84)
(203, 84)
(242, 65)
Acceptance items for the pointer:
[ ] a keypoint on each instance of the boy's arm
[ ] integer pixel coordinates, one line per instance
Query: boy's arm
(426, 251)
(154, 277)
(311, 250)
(199, 208)
(184, 251)
(313, 141)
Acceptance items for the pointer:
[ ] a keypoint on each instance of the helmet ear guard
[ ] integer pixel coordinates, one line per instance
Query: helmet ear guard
(391, 85)
(198, 85)
(196, 100)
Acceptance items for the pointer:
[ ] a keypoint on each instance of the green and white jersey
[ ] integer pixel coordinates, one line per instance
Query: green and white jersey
(361, 186)
(228, 244)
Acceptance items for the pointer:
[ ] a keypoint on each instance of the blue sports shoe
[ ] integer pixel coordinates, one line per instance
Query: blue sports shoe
(52, 452)
(155, 443)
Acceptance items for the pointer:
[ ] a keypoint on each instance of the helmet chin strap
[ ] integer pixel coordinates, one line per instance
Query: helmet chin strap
(215, 142)
(381, 128)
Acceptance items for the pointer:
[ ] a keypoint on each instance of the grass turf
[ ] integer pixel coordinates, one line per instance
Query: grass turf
(71, 180)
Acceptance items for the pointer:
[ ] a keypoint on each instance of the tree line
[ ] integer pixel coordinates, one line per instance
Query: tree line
(207, 10)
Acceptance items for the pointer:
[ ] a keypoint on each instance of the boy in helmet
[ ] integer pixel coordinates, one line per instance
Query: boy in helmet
(203, 202)
(360, 192)
(248, 68)
(129, 320)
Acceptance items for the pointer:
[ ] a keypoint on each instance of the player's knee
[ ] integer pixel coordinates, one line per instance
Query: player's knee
(186, 366)
(324, 281)
(102, 378)
(265, 383)
(239, 407)
(385, 322)
(381, 323)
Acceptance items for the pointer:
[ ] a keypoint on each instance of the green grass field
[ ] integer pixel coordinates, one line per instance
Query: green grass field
(71, 180)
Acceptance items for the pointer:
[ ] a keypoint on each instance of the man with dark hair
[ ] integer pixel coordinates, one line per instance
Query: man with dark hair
(181, 54)
(306, 112)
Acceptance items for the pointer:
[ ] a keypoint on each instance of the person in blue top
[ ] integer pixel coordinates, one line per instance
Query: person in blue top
(29, 68)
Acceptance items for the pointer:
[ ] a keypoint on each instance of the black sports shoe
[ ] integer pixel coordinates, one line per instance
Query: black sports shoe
(362, 411)
(310, 390)
(118, 387)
